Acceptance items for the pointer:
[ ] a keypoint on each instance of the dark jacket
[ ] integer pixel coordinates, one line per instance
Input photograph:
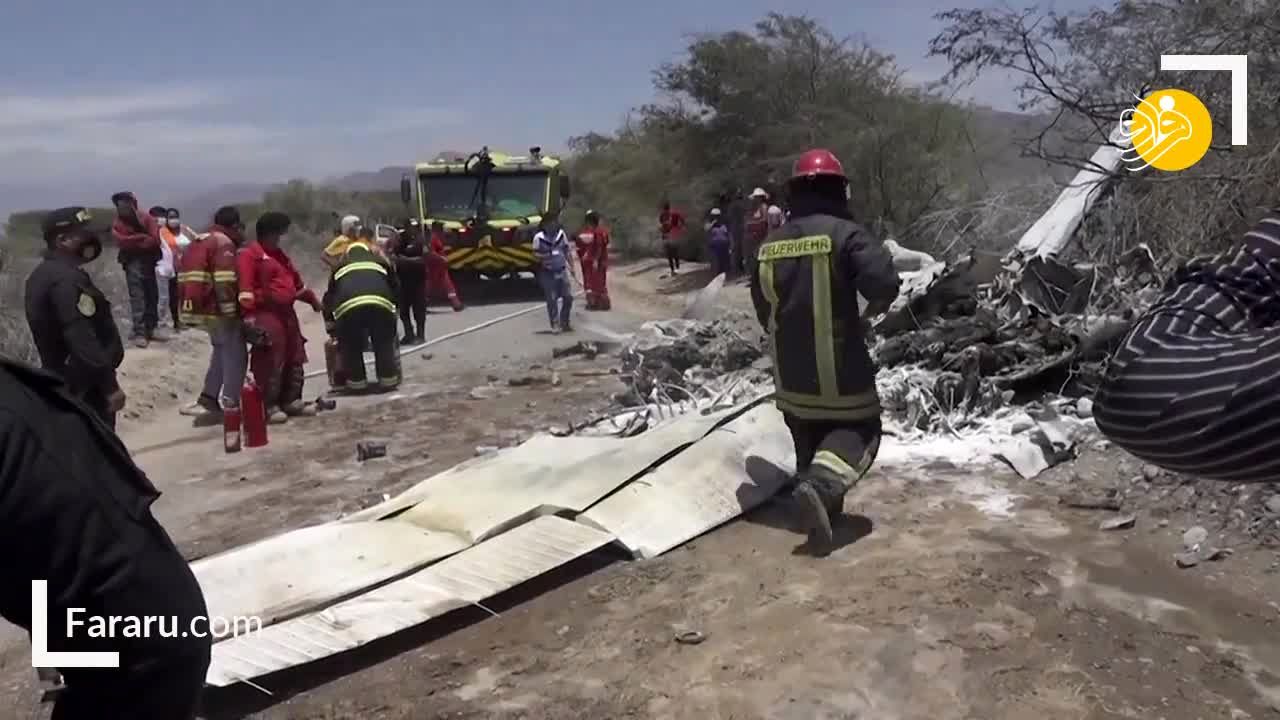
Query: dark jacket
(361, 278)
(72, 326)
(75, 510)
(410, 254)
(804, 287)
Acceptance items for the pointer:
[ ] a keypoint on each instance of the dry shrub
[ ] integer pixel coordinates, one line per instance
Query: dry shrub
(993, 223)
(1085, 68)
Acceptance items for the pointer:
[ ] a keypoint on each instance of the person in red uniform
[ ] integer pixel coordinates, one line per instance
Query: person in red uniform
(593, 252)
(439, 284)
(269, 286)
(670, 227)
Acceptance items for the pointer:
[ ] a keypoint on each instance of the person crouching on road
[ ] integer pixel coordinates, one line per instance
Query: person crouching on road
(439, 284)
(814, 281)
(551, 245)
(360, 308)
(719, 244)
(70, 318)
(593, 254)
(269, 287)
(137, 237)
(409, 252)
(207, 285)
(76, 512)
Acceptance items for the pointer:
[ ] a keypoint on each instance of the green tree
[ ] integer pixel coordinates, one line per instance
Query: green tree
(1084, 69)
(739, 107)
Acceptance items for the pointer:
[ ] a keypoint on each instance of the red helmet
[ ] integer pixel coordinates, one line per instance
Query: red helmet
(817, 162)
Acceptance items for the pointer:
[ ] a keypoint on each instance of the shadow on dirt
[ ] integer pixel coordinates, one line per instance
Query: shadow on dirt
(779, 513)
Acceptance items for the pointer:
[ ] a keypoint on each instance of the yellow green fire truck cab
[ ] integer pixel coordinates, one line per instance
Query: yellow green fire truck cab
(488, 230)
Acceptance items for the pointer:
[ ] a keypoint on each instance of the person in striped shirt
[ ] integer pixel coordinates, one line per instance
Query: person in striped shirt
(1192, 388)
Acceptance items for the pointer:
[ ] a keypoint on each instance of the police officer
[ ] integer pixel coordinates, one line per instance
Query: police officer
(410, 255)
(70, 319)
(815, 280)
(75, 511)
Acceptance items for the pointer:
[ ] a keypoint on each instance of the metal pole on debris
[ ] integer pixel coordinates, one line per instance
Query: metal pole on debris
(452, 335)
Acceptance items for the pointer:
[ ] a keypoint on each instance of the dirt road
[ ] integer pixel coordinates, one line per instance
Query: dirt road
(959, 592)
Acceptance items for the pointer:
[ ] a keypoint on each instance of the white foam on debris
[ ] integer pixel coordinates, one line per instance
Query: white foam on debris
(975, 445)
(971, 452)
(989, 497)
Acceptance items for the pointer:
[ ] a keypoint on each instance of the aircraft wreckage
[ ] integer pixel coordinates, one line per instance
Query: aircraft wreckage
(488, 525)
(648, 478)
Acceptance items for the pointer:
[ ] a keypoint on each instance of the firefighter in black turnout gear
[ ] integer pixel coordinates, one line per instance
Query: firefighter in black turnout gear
(410, 255)
(815, 281)
(76, 511)
(360, 307)
(70, 319)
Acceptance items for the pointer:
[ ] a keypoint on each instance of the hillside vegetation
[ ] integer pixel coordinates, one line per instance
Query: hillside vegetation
(939, 175)
(740, 106)
(1084, 70)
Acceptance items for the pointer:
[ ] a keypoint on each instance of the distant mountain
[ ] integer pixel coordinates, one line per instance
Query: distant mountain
(386, 179)
(199, 209)
(995, 135)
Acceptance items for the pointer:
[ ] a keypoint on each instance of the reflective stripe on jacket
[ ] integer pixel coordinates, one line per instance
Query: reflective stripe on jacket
(207, 280)
(805, 289)
(361, 278)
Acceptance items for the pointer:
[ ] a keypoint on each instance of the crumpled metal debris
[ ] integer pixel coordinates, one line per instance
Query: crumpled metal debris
(680, 366)
(662, 351)
(1054, 439)
(1033, 325)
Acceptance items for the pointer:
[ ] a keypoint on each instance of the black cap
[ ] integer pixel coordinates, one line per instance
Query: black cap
(63, 219)
(272, 224)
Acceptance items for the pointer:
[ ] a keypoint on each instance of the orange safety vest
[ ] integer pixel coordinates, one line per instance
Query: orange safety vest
(171, 239)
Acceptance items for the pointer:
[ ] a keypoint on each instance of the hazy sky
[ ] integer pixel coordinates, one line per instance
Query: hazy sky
(174, 96)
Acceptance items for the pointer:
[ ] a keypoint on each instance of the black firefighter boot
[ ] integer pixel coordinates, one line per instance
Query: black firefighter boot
(819, 499)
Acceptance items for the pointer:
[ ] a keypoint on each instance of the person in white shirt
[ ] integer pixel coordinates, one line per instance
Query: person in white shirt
(551, 245)
(775, 216)
(174, 237)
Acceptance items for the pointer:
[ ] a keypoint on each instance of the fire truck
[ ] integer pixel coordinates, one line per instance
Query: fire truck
(490, 205)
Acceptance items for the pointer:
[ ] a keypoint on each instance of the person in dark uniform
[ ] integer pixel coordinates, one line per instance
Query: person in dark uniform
(410, 255)
(75, 511)
(814, 282)
(70, 319)
(359, 308)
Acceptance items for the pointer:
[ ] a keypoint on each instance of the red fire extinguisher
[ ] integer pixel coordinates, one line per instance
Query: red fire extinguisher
(231, 429)
(254, 415)
(333, 364)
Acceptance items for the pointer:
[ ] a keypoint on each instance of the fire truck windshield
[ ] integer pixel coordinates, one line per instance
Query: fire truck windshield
(452, 197)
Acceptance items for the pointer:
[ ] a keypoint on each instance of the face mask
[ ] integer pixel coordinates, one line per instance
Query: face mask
(89, 248)
(174, 223)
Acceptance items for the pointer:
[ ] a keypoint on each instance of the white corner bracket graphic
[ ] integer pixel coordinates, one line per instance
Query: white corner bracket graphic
(1238, 66)
(40, 655)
